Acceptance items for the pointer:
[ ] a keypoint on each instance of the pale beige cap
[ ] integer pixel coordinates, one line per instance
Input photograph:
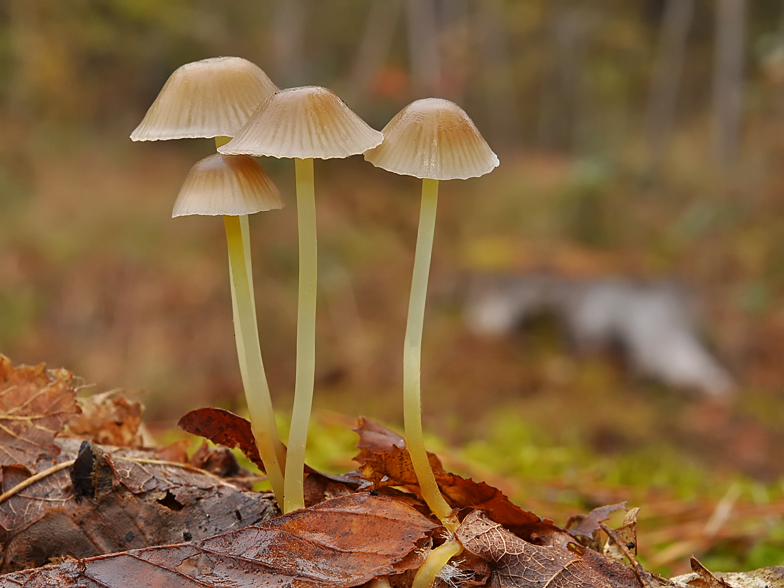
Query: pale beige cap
(304, 122)
(230, 185)
(433, 138)
(208, 98)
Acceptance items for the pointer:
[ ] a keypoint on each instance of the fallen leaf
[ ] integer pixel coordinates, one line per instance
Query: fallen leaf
(223, 428)
(520, 564)
(585, 526)
(108, 418)
(772, 577)
(385, 463)
(35, 404)
(226, 428)
(110, 501)
(626, 534)
(343, 542)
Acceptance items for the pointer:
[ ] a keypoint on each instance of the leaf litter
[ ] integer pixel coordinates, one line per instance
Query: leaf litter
(115, 513)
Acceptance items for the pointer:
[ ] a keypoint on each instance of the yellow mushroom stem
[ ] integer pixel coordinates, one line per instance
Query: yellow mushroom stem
(306, 336)
(412, 354)
(435, 562)
(254, 380)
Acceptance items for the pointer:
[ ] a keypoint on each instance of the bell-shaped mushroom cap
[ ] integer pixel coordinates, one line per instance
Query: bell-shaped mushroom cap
(208, 98)
(304, 122)
(433, 138)
(230, 185)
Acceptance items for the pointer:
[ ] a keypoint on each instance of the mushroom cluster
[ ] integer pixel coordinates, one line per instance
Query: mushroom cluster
(234, 102)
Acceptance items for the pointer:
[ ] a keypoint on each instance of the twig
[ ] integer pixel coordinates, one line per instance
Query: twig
(638, 569)
(35, 478)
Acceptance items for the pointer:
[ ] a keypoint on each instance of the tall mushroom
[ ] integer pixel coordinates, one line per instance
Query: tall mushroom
(234, 186)
(303, 124)
(432, 139)
(213, 98)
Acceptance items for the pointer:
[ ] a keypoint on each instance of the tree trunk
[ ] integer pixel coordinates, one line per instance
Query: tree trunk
(374, 48)
(423, 49)
(728, 79)
(666, 79)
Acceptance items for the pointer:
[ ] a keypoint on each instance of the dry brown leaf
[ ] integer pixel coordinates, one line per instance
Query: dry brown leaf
(772, 577)
(585, 526)
(519, 564)
(343, 542)
(625, 534)
(226, 428)
(108, 418)
(108, 502)
(35, 404)
(385, 462)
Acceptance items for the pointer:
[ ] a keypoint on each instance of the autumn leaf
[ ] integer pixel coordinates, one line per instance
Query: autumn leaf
(114, 501)
(228, 429)
(343, 542)
(224, 428)
(35, 404)
(517, 563)
(701, 577)
(584, 526)
(385, 463)
(108, 418)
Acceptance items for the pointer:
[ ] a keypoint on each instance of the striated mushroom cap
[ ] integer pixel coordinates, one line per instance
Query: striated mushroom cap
(304, 122)
(204, 99)
(230, 185)
(433, 138)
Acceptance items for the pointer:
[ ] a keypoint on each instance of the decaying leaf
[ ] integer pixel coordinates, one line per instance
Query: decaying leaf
(519, 564)
(226, 428)
(587, 525)
(626, 535)
(114, 501)
(385, 462)
(35, 404)
(108, 418)
(343, 542)
(772, 577)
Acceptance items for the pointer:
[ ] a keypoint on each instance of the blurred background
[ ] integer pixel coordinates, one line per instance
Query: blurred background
(641, 146)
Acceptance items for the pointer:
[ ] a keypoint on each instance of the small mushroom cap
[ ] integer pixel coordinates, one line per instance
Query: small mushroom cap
(433, 138)
(230, 185)
(208, 98)
(304, 122)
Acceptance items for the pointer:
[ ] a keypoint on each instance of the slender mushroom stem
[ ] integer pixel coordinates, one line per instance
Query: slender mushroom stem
(306, 336)
(412, 354)
(436, 560)
(254, 380)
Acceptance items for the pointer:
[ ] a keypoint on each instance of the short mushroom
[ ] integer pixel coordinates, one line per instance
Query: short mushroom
(213, 98)
(303, 123)
(234, 186)
(432, 139)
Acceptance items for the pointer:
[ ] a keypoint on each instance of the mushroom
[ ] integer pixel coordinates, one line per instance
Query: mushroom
(234, 186)
(213, 98)
(432, 139)
(303, 123)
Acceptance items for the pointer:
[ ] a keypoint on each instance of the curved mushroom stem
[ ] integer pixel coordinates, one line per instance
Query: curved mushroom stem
(436, 560)
(412, 354)
(254, 380)
(306, 336)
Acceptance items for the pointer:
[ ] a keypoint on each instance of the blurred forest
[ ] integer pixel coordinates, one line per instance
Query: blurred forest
(637, 138)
